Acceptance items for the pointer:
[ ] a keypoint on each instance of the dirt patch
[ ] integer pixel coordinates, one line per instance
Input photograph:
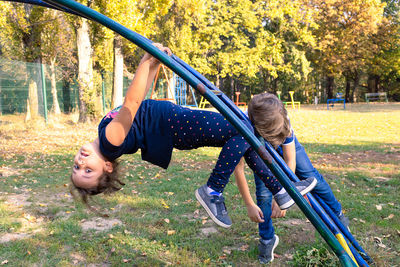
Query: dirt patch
(12, 237)
(301, 231)
(99, 224)
(17, 200)
(209, 230)
(7, 171)
(346, 158)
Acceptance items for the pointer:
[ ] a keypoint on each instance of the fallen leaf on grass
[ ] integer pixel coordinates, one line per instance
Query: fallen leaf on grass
(378, 207)
(227, 251)
(389, 217)
(166, 220)
(244, 247)
(4, 262)
(126, 260)
(171, 232)
(165, 206)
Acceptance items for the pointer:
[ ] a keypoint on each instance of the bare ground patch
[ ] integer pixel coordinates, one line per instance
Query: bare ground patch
(368, 156)
(16, 201)
(99, 224)
(301, 231)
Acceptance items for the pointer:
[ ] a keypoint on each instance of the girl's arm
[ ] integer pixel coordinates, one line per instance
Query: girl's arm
(253, 211)
(118, 128)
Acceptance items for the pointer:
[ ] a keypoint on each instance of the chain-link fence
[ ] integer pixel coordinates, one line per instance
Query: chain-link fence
(23, 84)
(27, 88)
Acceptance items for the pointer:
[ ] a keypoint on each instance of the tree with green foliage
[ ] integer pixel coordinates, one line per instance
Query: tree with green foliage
(344, 39)
(284, 41)
(384, 67)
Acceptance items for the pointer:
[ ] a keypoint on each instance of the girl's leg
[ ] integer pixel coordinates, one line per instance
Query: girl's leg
(260, 170)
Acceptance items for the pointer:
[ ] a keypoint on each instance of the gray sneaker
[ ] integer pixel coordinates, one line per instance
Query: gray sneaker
(215, 207)
(266, 251)
(285, 201)
(345, 221)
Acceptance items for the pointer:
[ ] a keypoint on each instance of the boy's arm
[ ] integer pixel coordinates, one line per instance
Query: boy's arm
(289, 155)
(118, 128)
(253, 211)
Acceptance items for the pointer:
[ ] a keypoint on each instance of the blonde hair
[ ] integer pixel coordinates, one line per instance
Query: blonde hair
(270, 118)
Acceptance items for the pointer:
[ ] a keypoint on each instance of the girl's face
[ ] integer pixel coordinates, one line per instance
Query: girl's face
(89, 165)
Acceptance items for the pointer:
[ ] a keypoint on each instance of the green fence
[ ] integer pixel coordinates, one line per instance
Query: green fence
(16, 79)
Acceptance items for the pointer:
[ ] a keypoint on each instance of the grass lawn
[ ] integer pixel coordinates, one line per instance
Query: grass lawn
(156, 221)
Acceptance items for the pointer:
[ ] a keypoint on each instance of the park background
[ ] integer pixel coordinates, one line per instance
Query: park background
(314, 48)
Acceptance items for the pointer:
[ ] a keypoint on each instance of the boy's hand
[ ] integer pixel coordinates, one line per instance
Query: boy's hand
(276, 211)
(255, 214)
(152, 60)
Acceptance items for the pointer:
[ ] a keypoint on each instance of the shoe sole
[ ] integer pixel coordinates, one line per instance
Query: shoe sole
(199, 199)
(305, 191)
(273, 248)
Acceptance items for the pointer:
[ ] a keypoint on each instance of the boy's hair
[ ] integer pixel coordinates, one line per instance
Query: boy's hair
(108, 183)
(270, 118)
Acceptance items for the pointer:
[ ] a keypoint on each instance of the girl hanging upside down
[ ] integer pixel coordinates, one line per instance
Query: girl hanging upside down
(156, 127)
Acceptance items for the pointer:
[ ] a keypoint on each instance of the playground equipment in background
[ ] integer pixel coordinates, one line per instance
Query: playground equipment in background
(376, 96)
(203, 102)
(177, 89)
(237, 103)
(169, 94)
(339, 98)
(291, 102)
(318, 217)
(181, 92)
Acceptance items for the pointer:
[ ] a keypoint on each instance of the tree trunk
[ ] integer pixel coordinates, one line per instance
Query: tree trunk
(31, 40)
(35, 94)
(355, 87)
(373, 81)
(56, 105)
(118, 76)
(232, 88)
(32, 110)
(329, 86)
(85, 71)
(347, 94)
(274, 85)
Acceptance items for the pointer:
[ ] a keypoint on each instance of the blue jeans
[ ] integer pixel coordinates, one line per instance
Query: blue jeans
(304, 170)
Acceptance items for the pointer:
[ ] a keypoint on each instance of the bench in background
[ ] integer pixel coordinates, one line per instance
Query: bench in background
(376, 96)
